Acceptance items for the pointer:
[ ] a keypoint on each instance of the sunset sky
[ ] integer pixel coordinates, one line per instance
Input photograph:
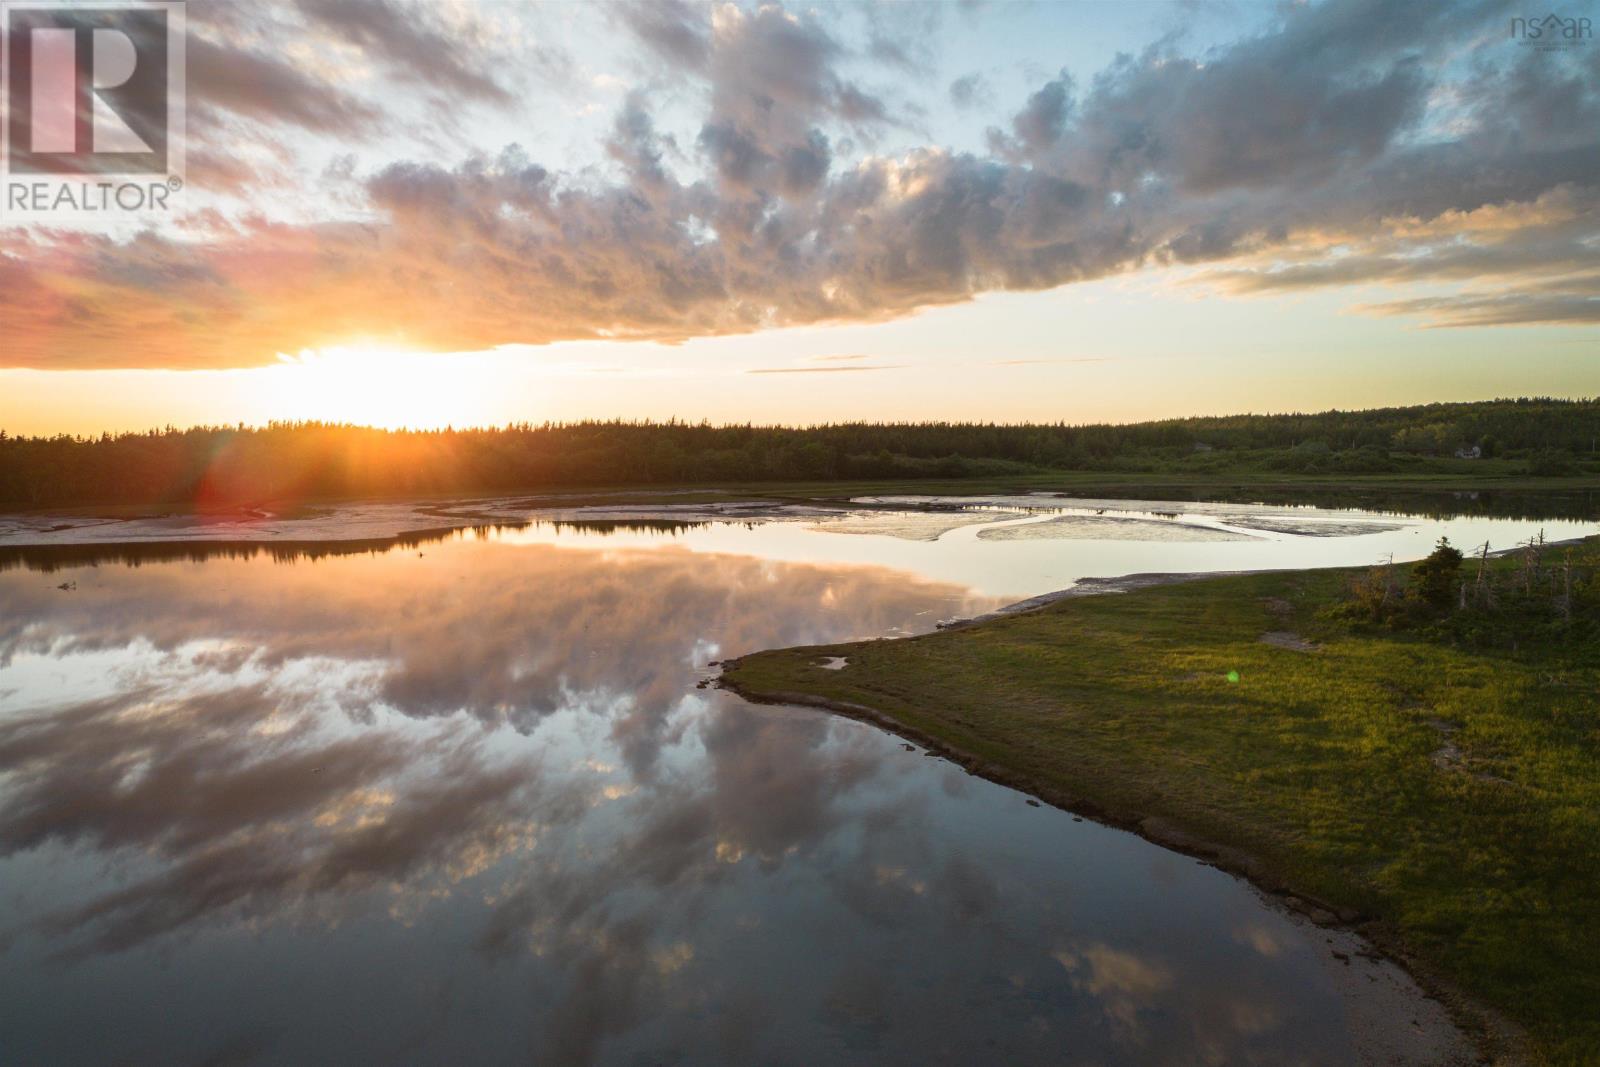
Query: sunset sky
(461, 213)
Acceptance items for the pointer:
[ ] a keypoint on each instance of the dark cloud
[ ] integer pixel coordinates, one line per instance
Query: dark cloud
(971, 91)
(242, 81)
(773, 76)
(1541, 254)
(679, 32)
(261, 64)
(1423, 261)
(1255, 118)
(407, 41)
(1040, 124)
(635, 145)
(1577, 308)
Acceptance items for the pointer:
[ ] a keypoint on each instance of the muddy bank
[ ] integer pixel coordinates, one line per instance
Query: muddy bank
(377, 523)
(929, 525)
(1125, 583)
(1098, 527)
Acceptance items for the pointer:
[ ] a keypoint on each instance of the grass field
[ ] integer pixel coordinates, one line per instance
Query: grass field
(1449, 797)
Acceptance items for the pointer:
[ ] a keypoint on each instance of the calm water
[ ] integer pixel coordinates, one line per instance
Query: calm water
(463, 803)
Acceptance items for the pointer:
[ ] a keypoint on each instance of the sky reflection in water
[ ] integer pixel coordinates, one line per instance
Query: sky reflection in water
(464, 804)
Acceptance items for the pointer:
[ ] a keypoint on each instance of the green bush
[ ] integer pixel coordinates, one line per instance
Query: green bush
(1551, 464)
(1434, 579)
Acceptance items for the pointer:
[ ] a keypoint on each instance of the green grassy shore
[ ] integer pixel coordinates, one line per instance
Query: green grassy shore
(1443, 796)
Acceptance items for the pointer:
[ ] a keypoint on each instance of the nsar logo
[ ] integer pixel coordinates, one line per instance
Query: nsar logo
(1552, 32)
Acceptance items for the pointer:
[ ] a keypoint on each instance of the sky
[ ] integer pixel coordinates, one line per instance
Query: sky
(459, 213)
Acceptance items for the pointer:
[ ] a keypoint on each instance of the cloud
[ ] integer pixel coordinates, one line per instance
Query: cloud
(903, 35)
(679, 32)
(251, 84)
(971, 91)
(1033, 362)
(1580, 307)
(412, 47)
(1042, 121)
(1541, 254)
(827, 370)
(1340, 119)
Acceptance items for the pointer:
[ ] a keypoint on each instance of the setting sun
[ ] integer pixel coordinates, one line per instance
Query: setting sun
(374, 386)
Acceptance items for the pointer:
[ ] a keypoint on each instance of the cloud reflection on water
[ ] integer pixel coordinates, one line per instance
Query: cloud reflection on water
(492, 760)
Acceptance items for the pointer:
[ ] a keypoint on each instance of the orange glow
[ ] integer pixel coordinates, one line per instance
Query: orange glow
(372, 386)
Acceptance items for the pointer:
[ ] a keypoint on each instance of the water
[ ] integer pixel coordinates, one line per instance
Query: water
(462, 802)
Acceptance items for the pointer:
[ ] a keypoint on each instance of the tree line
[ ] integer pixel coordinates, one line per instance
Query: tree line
(232, 466)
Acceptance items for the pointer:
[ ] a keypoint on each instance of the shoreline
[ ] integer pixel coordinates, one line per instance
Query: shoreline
(347, 518)
(1124, 583)
(1491, 1038)
(1132, 583)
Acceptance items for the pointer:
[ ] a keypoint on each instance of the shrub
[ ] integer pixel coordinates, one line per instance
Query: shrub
(1551, 464)
(1434, 579)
